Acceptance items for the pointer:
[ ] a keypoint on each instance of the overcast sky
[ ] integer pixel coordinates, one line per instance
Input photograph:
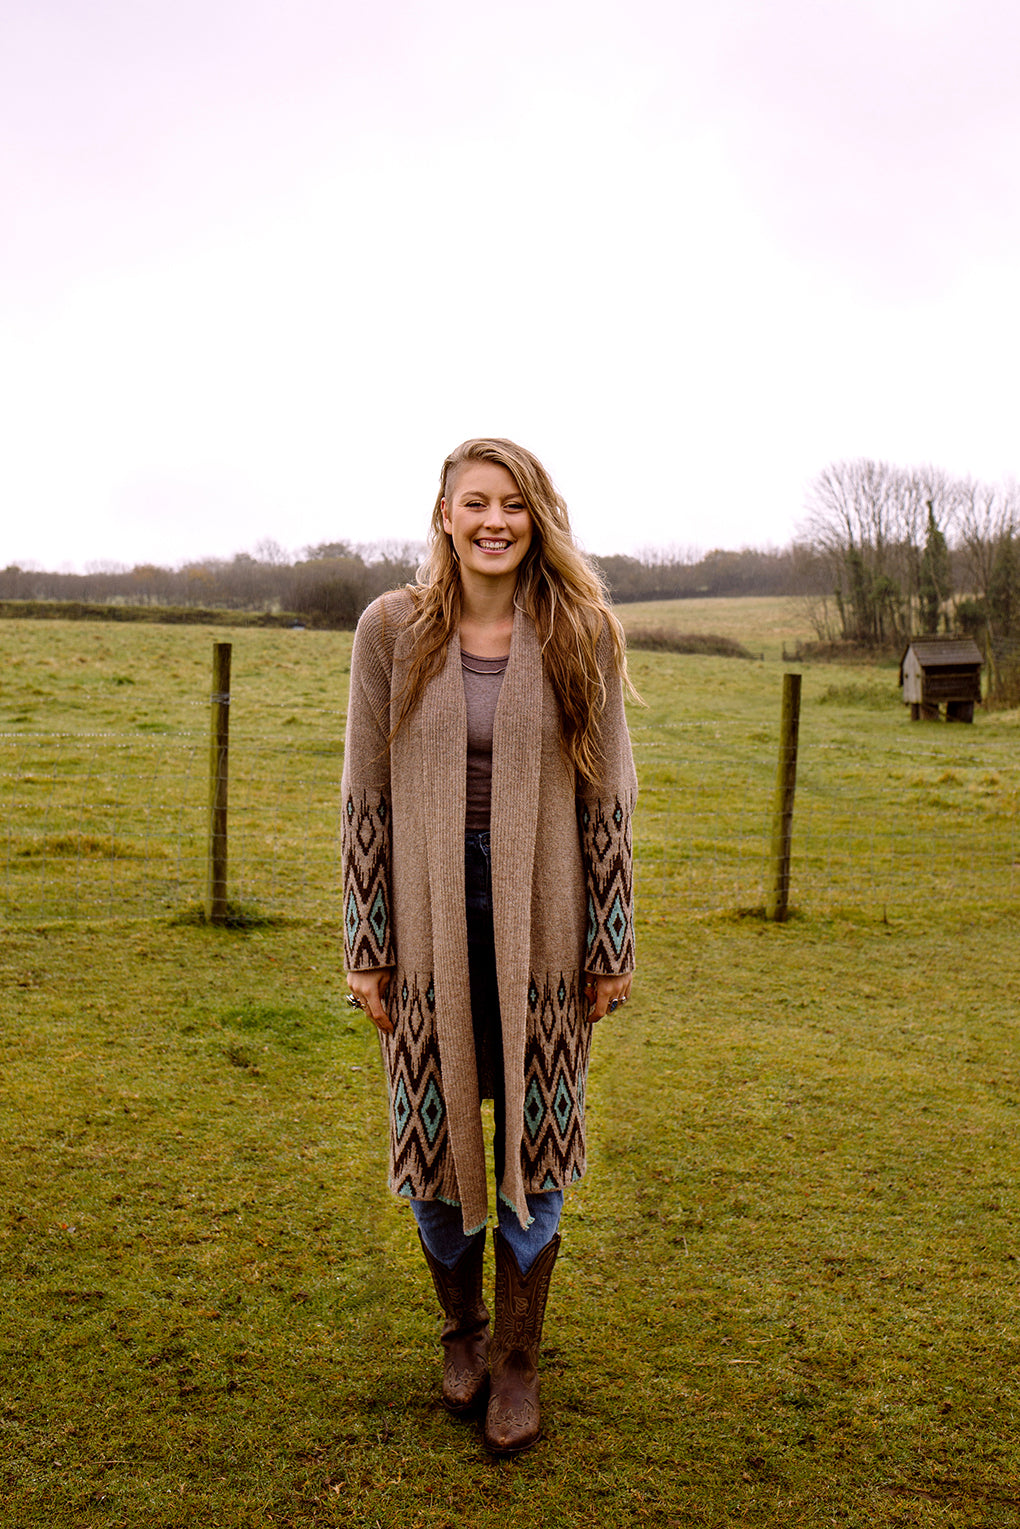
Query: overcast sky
(263, 264)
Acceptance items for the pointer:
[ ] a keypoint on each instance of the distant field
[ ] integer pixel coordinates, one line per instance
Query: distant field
(763, 625)
(788, 1289)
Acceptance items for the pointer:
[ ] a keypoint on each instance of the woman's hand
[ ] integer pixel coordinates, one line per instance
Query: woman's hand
(605, 994)
(369, 988)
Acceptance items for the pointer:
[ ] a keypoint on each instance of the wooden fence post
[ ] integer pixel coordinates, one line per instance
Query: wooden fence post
(782, 812)
(219, 750)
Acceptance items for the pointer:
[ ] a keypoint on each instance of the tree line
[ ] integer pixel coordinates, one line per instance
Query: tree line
(330, 584)
(885, 552)
(326, 585)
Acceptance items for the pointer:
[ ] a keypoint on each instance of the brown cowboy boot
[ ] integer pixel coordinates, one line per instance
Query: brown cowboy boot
(512, 1421)
(465, 1335)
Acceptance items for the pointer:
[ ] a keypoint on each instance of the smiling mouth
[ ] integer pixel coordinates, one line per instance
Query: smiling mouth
(490, 546)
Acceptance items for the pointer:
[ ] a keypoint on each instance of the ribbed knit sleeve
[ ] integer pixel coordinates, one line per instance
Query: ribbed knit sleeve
(366, 798)
(604, 814)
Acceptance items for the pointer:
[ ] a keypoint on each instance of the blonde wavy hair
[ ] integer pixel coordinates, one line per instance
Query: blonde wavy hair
(557, 586)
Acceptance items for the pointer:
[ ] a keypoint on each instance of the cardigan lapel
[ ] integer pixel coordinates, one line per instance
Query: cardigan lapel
(516, 772)
(444, 795)
(516, 766)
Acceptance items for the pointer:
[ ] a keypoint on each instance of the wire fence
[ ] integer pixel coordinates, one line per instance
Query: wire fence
(934, 821)
(99, 826)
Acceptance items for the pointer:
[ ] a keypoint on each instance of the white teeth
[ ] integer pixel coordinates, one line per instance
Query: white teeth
(494, 546)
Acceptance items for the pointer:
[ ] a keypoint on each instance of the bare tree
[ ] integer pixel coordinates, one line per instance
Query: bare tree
(855, 523)
(988, 515)
(269, 551)
(883, 532)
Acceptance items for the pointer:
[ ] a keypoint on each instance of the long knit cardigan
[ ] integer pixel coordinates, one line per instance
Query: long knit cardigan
(562, 905)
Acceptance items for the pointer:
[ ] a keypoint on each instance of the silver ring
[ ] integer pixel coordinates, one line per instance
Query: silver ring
(352, 1002)
(611, 1008)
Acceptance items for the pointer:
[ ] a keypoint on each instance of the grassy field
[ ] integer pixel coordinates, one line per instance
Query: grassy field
(764, 626)
(788, 1287)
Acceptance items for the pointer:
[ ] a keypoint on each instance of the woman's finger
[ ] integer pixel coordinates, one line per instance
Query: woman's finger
(380, 1018)
(606, 995)
(369, 989)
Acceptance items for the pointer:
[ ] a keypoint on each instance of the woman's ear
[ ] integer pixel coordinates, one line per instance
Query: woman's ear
(447, 522)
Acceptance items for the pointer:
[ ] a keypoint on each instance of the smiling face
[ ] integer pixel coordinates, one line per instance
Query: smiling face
(488, 519)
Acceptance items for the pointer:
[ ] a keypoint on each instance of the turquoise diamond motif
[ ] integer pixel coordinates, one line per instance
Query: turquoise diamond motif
(593, 923)
(401, 1109)
(377, 917)
(534, 1110)
(617, 924)
(430, 995)
(432, 1112)
(563, 1105)
(532, 996)
(352, 918)
(561, 992)
(548, 1182)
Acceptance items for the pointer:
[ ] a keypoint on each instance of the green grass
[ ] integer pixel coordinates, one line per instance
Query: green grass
(788, 1288)
(93, 717)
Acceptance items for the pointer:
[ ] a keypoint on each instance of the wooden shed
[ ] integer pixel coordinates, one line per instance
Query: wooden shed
(941, 671)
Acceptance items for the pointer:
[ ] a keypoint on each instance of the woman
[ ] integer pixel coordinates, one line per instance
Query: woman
(487, 796)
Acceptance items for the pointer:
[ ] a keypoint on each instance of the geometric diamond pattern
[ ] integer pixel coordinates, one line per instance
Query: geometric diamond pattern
(351, 919)
(602, 839)
(555, 1068)
(563, 1104)
(365, 847)
(421, 1161)
(377, 917)
(401, 1108)
(432, 1112)
(616, 924)
(534, 1109)
(606, 847)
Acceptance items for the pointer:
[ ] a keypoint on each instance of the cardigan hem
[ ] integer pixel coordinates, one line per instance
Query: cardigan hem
(507, 1201)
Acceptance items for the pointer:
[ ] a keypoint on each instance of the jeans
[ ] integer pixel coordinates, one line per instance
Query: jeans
(442, 1229)
(440, 1224)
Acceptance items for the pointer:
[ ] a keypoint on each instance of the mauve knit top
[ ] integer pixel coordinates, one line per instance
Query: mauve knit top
(483, 679)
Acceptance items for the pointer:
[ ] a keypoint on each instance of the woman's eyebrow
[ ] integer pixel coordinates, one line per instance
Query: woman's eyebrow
(478, 493)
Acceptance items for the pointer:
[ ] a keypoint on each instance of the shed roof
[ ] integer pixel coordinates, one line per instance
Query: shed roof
(939, 652)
